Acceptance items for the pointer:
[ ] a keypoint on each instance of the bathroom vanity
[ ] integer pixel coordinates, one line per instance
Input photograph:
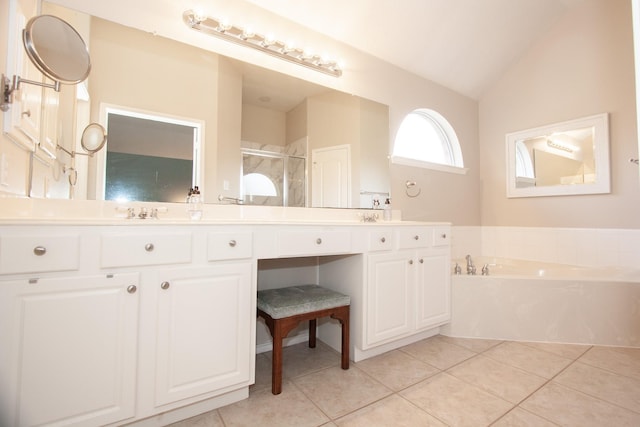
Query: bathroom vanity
(116, 321)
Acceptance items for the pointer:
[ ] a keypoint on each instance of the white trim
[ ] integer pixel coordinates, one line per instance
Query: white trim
(398, 160)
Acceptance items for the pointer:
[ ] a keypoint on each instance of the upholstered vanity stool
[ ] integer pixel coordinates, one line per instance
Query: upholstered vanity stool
(283, 309)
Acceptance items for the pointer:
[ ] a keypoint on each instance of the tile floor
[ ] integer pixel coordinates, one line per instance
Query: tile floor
(444, 381)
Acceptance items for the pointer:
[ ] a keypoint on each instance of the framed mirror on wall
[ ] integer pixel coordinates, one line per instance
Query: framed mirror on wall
(560, 159)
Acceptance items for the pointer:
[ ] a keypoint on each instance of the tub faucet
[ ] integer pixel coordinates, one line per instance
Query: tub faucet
(485, 270)
(471, 269)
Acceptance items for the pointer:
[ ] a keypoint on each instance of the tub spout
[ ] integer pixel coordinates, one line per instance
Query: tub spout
(471, 269)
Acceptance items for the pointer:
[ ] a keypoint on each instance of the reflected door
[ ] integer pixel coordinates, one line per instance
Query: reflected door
(330, 179)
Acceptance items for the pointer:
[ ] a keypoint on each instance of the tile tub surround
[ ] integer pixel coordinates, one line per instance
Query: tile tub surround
(491, 382)
(590, 247)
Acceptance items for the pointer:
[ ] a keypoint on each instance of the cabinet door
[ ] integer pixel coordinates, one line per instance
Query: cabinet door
(205, 320)
(389, 311)
(68, 350)
(433, 289)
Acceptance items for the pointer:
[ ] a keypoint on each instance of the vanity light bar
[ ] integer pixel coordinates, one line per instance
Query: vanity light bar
(559, 146)
(262, 43)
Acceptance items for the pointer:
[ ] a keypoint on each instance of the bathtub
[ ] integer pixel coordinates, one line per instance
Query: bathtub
(544, 302)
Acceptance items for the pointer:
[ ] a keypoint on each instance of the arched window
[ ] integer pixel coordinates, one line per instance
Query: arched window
(426, 139)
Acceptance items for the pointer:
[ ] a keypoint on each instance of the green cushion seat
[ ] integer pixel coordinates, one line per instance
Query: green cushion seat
(293, 300)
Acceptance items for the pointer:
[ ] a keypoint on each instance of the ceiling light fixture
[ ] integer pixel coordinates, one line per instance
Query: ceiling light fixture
(266, 44)
(561, 146)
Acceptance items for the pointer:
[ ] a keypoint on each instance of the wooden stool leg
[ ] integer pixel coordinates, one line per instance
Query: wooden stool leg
(276, 365)
(312, 333)
(345, 340)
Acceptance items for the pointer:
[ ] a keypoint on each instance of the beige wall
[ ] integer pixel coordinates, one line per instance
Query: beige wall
(263, 125)
(583, 66)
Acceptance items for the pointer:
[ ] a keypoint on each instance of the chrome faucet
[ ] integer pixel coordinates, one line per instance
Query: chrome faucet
(234, 200)
(471, 269)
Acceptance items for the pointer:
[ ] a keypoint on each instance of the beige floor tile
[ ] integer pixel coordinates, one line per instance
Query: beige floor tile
(623, 361)
(290, 408)
(455, 402)
(208, 419)
(532, 360)
(299, 359)
(263, 373)
(391, 411)
(502, 380)
(605, 385)
(476, 345)
(568, 407)
(521, 418)
(397, 370)
(570, 351)
(337, 391)
(437, 352)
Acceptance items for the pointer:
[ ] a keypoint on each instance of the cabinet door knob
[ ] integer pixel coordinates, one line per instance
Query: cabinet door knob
(132, 289)
(383, 240)
(416, 237)
(232, 243)
(444, 235)
(39, 250)
(26, 113)
(149, 247)
(318, 241)
(410, 262)
(165, 285)
(421, 261)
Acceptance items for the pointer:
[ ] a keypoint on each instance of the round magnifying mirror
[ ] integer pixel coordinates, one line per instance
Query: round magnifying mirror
(93, 138)
(57, 49)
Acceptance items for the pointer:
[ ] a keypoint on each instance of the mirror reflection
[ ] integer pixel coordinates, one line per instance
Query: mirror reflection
(250, 117)
(560, 159)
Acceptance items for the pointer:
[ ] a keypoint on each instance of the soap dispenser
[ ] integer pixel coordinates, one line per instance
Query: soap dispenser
(387, 210)
(194, 203)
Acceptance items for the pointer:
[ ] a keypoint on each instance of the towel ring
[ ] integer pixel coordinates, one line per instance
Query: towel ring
(412, 190)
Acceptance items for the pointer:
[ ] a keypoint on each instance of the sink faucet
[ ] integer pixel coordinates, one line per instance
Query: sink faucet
(471, 269)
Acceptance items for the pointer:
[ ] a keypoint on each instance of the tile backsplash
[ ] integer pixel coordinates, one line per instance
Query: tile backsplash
(576, 246)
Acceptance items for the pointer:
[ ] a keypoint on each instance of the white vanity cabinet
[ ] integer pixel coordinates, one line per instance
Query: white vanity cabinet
(408, 290)
(203, 332)
(69, 349)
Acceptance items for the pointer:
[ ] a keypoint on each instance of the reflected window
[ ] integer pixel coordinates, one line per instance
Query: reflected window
(524, 165)
(150, 157)
(426, 138)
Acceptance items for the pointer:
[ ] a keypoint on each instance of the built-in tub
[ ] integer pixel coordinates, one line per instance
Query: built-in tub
(530, 301)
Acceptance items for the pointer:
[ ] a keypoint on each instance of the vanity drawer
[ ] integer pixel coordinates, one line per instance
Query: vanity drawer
(39, 253)
(321, 242)
(381, 240)
(126, 250)
(414, 237)
(442, 236)
(231, 245)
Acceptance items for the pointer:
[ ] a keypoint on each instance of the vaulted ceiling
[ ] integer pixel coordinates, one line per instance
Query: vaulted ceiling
(462, 44)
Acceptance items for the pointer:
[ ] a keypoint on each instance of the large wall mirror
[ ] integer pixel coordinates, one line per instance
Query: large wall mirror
(249, 117)
(568, 158)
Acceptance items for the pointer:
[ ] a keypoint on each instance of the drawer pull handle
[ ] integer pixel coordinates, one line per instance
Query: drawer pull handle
(416, 237)
(232, 243)
(39, 250)
(165, 285)
(149, 247)
(26, 113)
(318, 241)
(410, 262)
(383, 239)
(132, 289)
(444, 236)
